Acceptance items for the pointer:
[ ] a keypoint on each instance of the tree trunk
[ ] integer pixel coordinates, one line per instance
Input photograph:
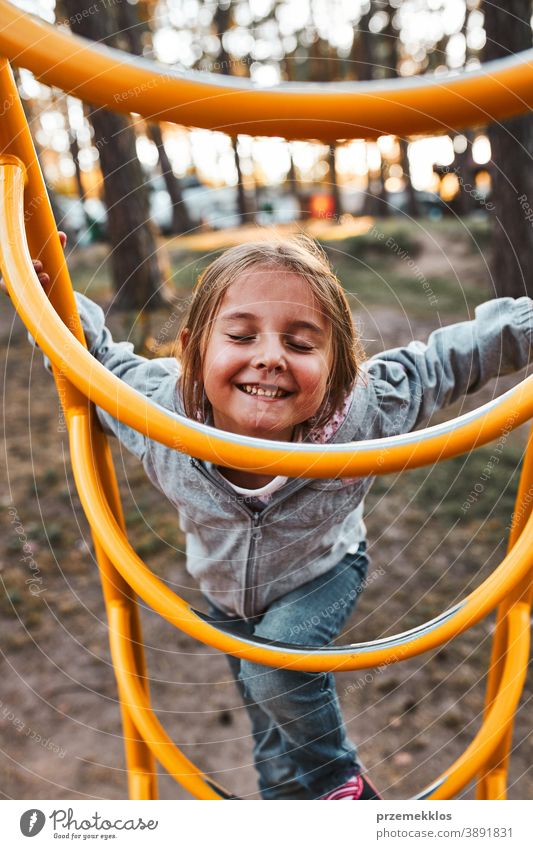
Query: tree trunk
(334, 184)
(361, 51)
(136, 275)
(222, 23)
(75, 154)
(181, 222)
(242, 201)
(465, 169)
(136, 35)
(27, 106)
(412, 202)
(363, 65)
(292, 179)
(507, 24)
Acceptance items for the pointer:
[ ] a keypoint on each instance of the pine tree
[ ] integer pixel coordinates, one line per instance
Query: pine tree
(137, 281)
(508, 29)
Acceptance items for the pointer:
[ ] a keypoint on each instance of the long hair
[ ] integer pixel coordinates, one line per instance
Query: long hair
(300, 255)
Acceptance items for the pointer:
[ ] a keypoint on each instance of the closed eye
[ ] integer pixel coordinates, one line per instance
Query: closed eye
(240, 338)
(300, 346)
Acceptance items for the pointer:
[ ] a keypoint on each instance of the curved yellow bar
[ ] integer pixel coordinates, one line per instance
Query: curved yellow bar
(492, 782)
(17, 146)
(377, 456)
(456, 777)
(135, 701)
(123, 572)
(498, 718)
(445, 787)
(329, 111)
(154, 592)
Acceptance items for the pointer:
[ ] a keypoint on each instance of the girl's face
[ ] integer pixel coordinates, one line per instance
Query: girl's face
(266, 365)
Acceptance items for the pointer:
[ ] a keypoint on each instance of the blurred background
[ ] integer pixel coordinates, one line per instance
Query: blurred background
(419, 230)
(186, 180)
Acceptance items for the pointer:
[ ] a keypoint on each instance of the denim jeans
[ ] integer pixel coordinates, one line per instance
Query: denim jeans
(300, 746)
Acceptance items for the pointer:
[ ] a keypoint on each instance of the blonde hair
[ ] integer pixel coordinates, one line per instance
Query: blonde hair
(300, 255)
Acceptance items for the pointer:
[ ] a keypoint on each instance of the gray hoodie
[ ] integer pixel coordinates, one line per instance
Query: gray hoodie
(244, 558)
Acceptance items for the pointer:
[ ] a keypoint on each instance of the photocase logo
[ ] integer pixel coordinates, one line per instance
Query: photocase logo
(32, 822)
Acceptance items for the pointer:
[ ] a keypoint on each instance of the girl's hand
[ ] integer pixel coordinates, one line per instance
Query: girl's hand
(44, 278)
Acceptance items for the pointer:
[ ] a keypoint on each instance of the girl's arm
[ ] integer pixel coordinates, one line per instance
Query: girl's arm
(156, 379)
(407, 385)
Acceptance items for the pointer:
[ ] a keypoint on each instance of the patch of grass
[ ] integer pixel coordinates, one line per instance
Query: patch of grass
(150, 545)
(92, 276)
(384, 238)
(466, 489)
(50, 477)
(379, 267)
(478, 230)
(385, 267)
(187, 266)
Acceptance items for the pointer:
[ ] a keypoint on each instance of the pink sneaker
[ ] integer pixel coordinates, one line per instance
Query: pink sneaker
(356, 788)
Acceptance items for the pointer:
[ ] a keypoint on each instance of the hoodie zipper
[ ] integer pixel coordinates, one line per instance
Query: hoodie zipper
(249, 577)
(256, 534)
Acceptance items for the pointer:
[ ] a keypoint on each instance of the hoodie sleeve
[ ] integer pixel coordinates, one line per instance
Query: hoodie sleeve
(149, 377)
(406, 385)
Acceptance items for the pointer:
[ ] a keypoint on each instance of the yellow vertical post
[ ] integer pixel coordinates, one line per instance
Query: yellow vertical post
(43, 240)
(492, 783)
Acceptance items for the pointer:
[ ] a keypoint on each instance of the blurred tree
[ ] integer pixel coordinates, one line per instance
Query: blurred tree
(304, 41)
(376, 61)
(222, 22)
(508, 30)
(292, 177)
(137, 280)
(75, 154)
(464, 166)
(135, 36)
(322, 66)
(32, 111)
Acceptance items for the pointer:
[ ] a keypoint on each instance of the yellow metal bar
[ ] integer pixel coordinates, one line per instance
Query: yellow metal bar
(142, 777)
(496, 785)
(123, 572)
(155, 593)
(493, 780)
(125, 83)
(501, 713)
(377, 456)
(140, 785)
(16, 144)
(166, 752)
(18, 156)
(502, 709)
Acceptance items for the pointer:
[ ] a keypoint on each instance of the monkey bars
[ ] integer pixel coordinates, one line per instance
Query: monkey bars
(327, 111)
(54, 323)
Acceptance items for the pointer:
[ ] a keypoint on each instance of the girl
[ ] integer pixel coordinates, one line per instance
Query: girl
(268, 349)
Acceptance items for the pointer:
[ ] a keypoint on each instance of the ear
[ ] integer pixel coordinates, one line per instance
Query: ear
(185, 335)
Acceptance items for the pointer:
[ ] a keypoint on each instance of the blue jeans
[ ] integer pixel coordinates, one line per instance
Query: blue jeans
(300, 746)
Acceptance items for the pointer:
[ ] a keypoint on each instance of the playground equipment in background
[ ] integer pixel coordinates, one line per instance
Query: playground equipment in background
(499, 90)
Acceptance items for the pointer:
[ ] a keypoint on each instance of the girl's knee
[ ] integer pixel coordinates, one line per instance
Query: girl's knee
(260, 682)
(264, 684)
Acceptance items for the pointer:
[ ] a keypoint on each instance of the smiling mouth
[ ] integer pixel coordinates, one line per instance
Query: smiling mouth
(263, 391)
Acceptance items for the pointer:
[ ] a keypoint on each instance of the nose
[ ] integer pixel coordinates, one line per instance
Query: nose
(270, 354)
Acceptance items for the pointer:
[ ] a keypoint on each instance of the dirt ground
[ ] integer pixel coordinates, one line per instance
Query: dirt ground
(59, 719)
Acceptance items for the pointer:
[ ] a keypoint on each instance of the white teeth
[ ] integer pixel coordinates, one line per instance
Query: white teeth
(258, 390)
